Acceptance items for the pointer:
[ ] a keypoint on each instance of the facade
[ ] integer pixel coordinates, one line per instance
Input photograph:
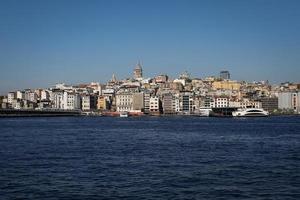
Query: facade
(221, 102)
(20, 94)
(285, 100)
(71, 101)
(154, 105)
(10, 97)
(58, 99)
(269, 104)
(31, 96)
(102, 103)
(45, 95)
(186, 103)
(246, 103)
(161, 79)
(88, 102)
(226, 85)
(146, 102)
(124, 102)
(168, 103)
(138, 102)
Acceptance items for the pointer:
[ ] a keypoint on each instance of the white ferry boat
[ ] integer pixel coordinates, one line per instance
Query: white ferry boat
(123, 114)
(250, 112)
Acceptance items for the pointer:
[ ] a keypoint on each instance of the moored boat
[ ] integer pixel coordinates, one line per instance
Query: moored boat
(250, 112)
(123, 114)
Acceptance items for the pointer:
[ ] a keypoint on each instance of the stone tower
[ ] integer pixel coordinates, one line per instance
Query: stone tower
(138, 72)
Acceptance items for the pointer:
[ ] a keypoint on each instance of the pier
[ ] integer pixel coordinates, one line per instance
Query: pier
(38, 113)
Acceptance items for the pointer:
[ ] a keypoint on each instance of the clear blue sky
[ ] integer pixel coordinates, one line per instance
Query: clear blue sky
(50, 41)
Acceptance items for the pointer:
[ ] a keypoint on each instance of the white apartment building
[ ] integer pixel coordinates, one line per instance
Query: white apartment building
(20, 94)
(154, 104)
(124, 102)
(57, 99)
(221, 102)
(71, 101)
(10, 97)
(289, 100)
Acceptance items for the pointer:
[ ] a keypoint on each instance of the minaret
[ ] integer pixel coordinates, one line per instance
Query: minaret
(138, 71)
(113, 79)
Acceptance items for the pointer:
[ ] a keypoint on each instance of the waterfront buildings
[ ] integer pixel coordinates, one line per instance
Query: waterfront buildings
(160, 95)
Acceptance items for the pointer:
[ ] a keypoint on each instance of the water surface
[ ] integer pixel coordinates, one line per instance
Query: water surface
(150, 158)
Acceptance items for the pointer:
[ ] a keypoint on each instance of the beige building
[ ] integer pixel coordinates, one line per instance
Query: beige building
(226, 85)
(124, 102)
(138, 102)
(102, 103)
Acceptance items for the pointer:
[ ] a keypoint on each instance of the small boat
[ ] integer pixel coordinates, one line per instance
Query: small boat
(250, 112)
(123, 114)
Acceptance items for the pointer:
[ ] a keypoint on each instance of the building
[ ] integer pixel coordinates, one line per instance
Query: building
(138, 71)
(269, 104)
(71, 101)
(161, 79)
(88, 102)
(154, 107)
(221, 102)
(226, 85)
(225, 75)
(103, 103)
(246, 103)
(45, 95)
(10, 97)
(289, 101)
(20, 94)
(31, 96)
(285, 100)
(146, 102)
(138, 102)
(17, 104)
(186, 103)
(168, 103)
(208, 102)
(124, 101)
(57, 99)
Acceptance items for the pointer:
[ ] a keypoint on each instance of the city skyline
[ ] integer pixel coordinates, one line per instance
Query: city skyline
(48, 42)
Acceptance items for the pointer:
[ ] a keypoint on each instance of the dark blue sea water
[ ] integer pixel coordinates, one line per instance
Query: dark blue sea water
(150, 158)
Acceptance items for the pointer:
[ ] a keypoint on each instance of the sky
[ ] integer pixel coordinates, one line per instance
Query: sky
(79, 41)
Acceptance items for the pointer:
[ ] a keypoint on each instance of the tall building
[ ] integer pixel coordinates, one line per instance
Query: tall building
(10, 97)
(138, 71)
(154, 107)
(124, 101)
(167, 103)
(269, 103)
(89, 102)
(138, 102)
(186, 103)
(71, 101)
(224, 75)
(289, 100)
(146, 102)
